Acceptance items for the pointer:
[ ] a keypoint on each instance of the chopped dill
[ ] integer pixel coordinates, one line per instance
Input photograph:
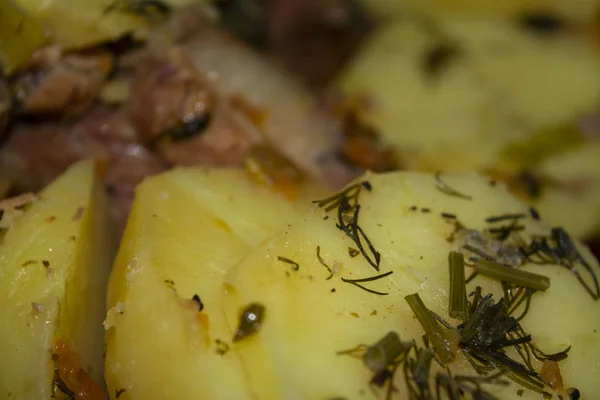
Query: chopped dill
(534, 213)
(348, 209)
(444, 188)
(444, 342)
(295, 265)
(357, 282)
(323, 263)
(119, 392)
(559, 248)
(511, 275)
(221, 347)
(448, 215)
(196, 299)
(352, 252)
(457, 307)
(498, 218)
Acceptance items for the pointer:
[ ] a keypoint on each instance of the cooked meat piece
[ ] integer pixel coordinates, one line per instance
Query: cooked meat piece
(128, 165)
(294, 123)
(223, 142)
(313, 38)
(173, 108)
(62, 86)
(37, 153)
(309, 38)
(5, 107)
(166, 95)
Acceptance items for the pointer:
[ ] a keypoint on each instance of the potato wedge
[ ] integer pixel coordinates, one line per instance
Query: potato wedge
(54, 264)
(188, 227)
(581, 11)
(460, 93)
(174, 249)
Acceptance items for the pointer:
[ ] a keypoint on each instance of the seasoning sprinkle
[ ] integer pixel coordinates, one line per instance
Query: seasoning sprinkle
(352, 252)
(511, 275)
(323, 263)
(504, 217)
(444, 188)
(296, 266)
(448, 215)
(119, 392)
(357, 282)
(444, 343)
(196, 299)
(458, 289)
(534, 213)
(250, 322)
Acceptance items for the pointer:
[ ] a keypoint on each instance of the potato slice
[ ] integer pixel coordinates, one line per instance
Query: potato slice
(461, 93)
(216, 235)
(188, 227)
(308, 318)
(581, 11)
(54, 264)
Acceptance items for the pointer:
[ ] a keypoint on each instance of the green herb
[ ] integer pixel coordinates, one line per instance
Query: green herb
(352, 252)
(443, 342)
(458, 290)
(444, 188)
(357, 282)
(384, 352)
(119, 392)
(222, 347)
(448, 215)
(511, 275)
(250, 321)
(296, 266)
(559, 248)
(438, 57)
(323, 263)
(348, 209)
(534, 213)
(505, 217)
(196, 299)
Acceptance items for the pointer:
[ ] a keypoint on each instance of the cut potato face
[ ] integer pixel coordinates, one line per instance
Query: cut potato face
(54, 263)
(582, 11)
(459, 93)
(278, 310)
(186, 230)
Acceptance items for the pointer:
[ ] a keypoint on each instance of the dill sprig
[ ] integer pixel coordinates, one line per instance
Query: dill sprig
(348, 209)
(559, 248)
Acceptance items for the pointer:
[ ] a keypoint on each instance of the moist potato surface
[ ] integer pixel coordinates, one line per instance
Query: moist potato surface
(175, 249)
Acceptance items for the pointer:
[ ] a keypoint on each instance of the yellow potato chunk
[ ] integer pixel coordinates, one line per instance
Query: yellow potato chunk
(187, 228)
(309, 319)
(461, 93)
(278, 301)
(54, 264)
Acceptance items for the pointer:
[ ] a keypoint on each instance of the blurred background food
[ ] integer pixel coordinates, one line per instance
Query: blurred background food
(295, 90)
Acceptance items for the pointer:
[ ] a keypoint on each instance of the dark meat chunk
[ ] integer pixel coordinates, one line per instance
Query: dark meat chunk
(173, 108)
(5, 107)
(62, 85)
(310, 38)
(36, 153)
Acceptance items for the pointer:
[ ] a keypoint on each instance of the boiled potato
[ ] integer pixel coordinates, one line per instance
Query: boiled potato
(191, 233)
(54, 262)
(186, 230)
(459, 93)
(580, 11)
